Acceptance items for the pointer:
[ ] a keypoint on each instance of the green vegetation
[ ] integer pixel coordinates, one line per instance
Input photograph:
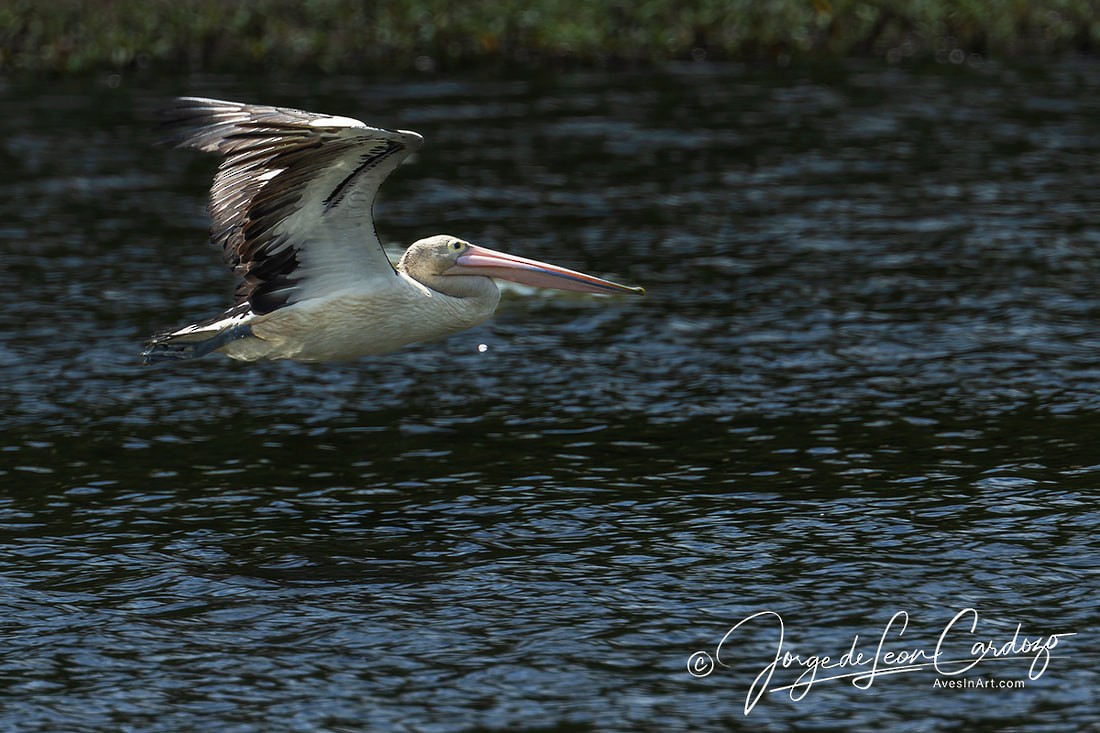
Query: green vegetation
(77, 36)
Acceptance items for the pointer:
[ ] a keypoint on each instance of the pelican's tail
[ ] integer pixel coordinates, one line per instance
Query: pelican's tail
(198, 339)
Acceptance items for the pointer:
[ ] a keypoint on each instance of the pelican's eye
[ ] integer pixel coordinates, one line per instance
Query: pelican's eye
(456, 246)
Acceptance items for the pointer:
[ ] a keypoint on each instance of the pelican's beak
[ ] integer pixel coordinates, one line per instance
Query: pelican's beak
(490, 263)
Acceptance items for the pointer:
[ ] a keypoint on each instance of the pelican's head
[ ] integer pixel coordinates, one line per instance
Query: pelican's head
(435, 259)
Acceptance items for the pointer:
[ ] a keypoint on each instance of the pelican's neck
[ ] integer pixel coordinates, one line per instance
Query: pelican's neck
(473, 293)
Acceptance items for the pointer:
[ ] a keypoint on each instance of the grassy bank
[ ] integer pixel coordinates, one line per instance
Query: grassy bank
(79, 36)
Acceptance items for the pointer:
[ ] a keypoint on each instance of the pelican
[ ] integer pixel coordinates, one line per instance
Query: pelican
(291, 206)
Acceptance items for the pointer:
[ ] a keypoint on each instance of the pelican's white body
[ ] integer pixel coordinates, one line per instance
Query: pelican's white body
(356, 322)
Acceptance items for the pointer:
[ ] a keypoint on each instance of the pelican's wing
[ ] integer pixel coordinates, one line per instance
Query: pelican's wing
(291, 203)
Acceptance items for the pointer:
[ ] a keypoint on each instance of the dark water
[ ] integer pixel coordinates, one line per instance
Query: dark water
(864, 381)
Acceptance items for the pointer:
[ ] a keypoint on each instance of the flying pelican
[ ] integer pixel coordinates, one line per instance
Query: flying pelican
(292, 209)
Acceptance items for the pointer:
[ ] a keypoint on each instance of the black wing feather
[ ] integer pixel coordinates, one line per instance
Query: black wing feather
(271, 158)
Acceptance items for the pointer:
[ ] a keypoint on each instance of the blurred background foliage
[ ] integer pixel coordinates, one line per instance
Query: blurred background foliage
(77, 36)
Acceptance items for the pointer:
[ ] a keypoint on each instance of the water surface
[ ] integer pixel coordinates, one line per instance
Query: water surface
(863, 381)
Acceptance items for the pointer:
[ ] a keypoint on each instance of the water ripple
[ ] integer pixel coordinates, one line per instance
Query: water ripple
(863, 381)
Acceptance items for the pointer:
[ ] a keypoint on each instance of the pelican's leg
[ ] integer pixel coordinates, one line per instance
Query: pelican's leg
(173, 349)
